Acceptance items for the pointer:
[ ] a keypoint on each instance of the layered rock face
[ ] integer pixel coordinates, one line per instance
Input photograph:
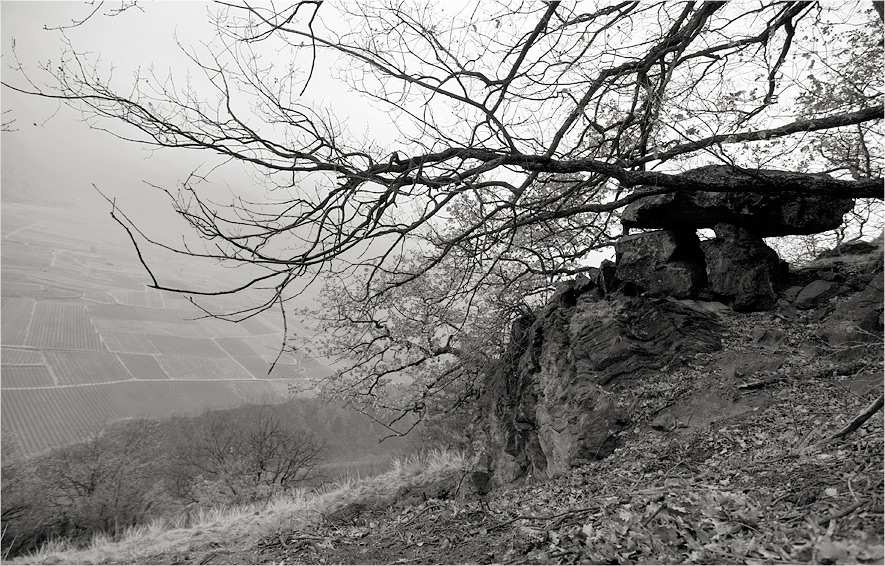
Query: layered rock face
(552, 403)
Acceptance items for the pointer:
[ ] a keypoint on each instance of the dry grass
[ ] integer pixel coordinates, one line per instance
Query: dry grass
(239, 527)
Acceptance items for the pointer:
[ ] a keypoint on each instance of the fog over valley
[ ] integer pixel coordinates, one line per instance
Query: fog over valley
(85, 340)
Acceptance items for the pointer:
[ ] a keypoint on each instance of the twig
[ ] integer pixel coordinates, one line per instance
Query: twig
(848, 369)
(561, 553)
(298, 538)
(762, 383)
(648, 519)
(857, 421)
(542, 518)
(778, 459)
(421, 512)
(739, 559)
(839, 514)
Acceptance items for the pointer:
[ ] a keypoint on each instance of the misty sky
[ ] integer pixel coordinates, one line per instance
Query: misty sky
(63, 155)
(51, 138)
(64, 152)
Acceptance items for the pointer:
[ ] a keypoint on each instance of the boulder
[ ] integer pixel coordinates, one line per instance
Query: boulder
(771, 211)
(554, 401)
(731, 365)
(852, 263)
(607, 278)
(855, 248)
(855, 326)
(863, 384)
(664, 262)
(815, 293)
(742, 270)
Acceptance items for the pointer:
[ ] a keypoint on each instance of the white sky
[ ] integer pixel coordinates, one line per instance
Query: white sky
(66, 156)
(52, 133)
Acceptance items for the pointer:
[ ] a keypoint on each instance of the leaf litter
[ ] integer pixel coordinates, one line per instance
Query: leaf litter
(762, 486)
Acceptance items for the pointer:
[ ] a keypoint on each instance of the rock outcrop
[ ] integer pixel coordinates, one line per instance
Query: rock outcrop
(553, 400)
(846, 293)
(737, 266)
(771, 212)
(560, 394)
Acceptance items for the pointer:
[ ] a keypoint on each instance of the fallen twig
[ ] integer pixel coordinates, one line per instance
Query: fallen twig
(542, 518)
(762, 383)
(421, 512)
(857, 421)
(648, 519)
(847, 511)
(848, 369)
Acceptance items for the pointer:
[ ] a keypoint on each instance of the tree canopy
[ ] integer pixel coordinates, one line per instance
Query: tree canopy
(521, 130)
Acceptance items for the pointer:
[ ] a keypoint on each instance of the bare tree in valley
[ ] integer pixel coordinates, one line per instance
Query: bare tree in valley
(244, 455)
(522, 130)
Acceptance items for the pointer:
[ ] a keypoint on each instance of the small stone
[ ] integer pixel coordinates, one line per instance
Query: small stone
(815, 293)
(809, 350)
(790, 293)
(769, 337)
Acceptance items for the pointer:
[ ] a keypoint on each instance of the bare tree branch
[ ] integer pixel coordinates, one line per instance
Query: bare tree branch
(521, 132)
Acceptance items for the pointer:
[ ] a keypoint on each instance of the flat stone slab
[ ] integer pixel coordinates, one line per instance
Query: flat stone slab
(770, 211)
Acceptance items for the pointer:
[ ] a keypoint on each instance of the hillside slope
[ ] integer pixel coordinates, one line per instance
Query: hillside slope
(727, 459)
(762, 486)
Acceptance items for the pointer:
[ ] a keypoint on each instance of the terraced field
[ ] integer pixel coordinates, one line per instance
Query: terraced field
(15, 319)
(63, 326)
(27, 376)
(85, 341)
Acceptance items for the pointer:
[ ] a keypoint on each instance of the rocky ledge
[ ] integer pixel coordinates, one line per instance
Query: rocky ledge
(561, 395)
